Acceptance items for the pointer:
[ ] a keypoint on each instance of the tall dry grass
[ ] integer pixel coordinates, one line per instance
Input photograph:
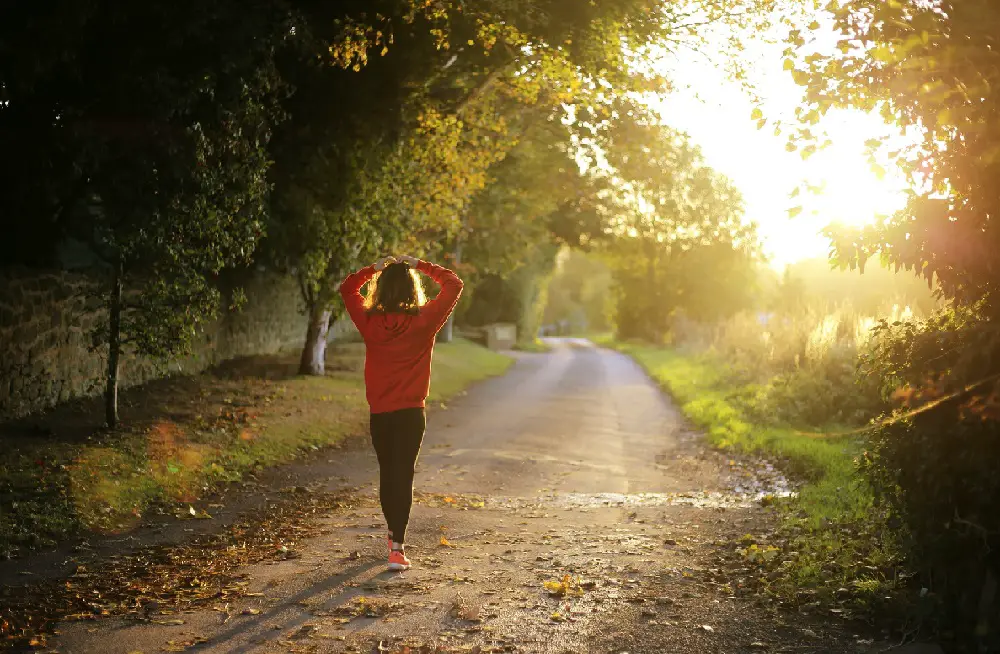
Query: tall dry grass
(795, 367)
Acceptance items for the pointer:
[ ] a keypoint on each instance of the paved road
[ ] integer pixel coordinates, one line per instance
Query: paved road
(584, 469)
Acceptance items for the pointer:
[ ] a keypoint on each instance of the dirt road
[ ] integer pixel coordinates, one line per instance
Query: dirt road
(573, 469)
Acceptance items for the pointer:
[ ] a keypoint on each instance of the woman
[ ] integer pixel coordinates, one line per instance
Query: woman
(398, 328)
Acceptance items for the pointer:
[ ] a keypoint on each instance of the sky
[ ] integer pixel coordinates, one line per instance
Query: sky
(716, 113)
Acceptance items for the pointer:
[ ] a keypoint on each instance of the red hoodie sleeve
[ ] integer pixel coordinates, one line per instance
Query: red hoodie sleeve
(350, 290)
(435, 313)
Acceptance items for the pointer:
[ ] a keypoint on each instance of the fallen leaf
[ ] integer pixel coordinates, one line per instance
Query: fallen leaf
(707, 628)
(563, 587)
(444, 542)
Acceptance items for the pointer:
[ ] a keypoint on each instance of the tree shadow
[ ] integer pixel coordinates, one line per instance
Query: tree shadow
(306, 594)
(60, 469)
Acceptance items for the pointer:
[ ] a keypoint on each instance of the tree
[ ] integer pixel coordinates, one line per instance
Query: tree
(930, 69)
(580, 292)
(538, 200)
(144, 138)
(681, 242)
(404, 150)
(437, 96)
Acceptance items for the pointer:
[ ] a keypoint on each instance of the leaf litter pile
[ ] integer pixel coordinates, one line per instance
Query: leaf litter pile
(157, 582)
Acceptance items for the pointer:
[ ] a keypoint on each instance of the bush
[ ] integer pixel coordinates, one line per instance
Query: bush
(935, 469)
(794, 369)
(938, 474)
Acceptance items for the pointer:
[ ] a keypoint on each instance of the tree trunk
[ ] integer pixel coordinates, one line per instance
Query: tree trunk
(313, 360)
(447, 333)
(114, 349)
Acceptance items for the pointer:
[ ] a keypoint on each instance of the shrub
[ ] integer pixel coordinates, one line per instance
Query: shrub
(795, 369)
(935, 468)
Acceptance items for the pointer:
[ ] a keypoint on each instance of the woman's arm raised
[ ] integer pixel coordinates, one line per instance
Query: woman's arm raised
(350, 290)
(435, 313)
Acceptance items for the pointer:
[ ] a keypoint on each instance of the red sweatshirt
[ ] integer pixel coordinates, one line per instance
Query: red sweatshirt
(399, 345)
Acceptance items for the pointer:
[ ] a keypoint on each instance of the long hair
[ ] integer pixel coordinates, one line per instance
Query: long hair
(397, 289)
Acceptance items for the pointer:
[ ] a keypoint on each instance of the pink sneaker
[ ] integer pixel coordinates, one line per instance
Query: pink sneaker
(398, 560)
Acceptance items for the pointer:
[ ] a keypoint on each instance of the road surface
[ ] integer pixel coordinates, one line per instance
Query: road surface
(582, 468)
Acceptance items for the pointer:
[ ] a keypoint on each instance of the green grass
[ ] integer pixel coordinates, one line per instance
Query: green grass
(461, 363)
(827, 465)
(193, 435)
(830, 533)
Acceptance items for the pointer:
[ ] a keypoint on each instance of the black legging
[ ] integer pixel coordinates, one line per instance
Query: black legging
(397, 436)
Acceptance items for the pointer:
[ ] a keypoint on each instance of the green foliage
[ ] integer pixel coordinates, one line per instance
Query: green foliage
(681, 244)
(580, 293)
(935, 469)
(453, 86)
(493, 300)
(817, 285)
(532, 205)
(926, 68)
(929, 68)
(144, 137)
(832, 544)
(802, 365)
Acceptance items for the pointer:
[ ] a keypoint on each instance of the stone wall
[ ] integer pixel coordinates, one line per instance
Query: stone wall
(46, 320)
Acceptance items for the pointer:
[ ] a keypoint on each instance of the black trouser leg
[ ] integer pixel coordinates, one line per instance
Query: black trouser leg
(396, 437)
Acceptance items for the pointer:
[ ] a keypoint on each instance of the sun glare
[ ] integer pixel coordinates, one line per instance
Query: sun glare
(846, 187)
(791, 198)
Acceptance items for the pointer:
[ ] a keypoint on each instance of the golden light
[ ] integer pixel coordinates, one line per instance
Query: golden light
(836, 184)
(848, 189)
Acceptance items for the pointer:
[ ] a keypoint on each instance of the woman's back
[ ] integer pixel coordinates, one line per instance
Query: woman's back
(399, 345)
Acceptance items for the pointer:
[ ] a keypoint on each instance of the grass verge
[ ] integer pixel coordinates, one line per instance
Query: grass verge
(182, 437)
(829, 547)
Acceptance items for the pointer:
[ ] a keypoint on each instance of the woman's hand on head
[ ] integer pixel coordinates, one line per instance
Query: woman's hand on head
(408, 260)
(383, 262)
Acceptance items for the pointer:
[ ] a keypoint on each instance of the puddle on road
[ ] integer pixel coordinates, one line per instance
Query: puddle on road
(748, 483)
(701, 500)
